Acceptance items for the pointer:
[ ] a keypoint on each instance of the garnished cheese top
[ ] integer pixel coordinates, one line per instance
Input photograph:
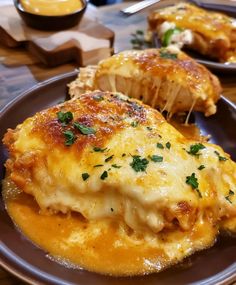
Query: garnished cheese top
(107, 156)
(211, 24)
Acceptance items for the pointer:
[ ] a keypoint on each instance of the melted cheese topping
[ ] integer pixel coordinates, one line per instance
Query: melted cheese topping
(137, 192)
(51, 7)
(173, 85)
(211, 24)
(155, 79)
(213, 32)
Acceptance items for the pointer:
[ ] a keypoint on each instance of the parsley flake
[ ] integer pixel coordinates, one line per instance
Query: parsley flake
(166, 54)
(134, 124)
(104, 175)
(193, 182)
(156, 158)
(168, 145)
(85, 176)
(195, 148)
(201, 167)
(99, 149)
(199, 193)
(64, 118)
(84, 129)
(138, 40)
(109, 158)
(98, 165)
(139, 164)
(221, 158)
(228, 197)
(160, 145)
(70, 137)
(116, 166)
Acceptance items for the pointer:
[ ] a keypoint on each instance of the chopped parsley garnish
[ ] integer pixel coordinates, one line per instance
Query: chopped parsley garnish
(139, 41)
(138, 163)
(104, 175)
(168, 55)
(231, 193)
(156, 158)
(199, 193)
(201, 167)
(221, 158)
(98, 98)
(99, 149)
(139, 32)
(84, 129)
(70, 137)
(193, 182)
(168, 145)
(85, 176)
(116, 166)
(98, 165)
(195, 148)
(160, 145)
(134, 124)
(109, 158)
(65, 118)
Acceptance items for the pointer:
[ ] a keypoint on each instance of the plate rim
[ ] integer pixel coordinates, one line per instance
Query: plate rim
(224, 277)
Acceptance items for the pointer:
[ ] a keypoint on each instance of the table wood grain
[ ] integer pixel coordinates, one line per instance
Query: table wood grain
(19, 70)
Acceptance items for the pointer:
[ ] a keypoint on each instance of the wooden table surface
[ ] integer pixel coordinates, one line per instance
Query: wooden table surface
(20, 71)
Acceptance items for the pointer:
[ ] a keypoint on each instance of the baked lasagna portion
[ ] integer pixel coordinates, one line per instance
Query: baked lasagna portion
(114, 159)
(166, 79)
(209, 33)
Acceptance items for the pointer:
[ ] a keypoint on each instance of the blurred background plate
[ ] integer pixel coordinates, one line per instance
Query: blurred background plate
(124, 26)
(25, 260)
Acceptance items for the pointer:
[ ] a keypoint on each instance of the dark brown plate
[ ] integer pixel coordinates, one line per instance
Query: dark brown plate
(19, 256)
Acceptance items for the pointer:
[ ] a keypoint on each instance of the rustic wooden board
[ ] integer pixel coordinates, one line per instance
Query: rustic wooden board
(56, 48)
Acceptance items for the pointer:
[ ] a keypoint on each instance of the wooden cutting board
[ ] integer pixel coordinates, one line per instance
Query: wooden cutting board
(86, 43)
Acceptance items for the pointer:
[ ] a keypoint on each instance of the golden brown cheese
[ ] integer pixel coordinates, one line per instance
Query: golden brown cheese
(125, 166)
(165, 79)
(213, 33)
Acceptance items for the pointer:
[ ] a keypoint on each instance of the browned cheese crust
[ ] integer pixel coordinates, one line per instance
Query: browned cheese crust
(162, 78)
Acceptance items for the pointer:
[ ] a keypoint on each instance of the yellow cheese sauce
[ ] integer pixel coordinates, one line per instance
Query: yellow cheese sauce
(96, 246)
(99, 246)
(51, 7)
(105, 246)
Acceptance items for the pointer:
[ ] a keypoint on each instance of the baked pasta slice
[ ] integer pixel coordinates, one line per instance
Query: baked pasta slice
(118, 162)
(209, 33)
(166, 79)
